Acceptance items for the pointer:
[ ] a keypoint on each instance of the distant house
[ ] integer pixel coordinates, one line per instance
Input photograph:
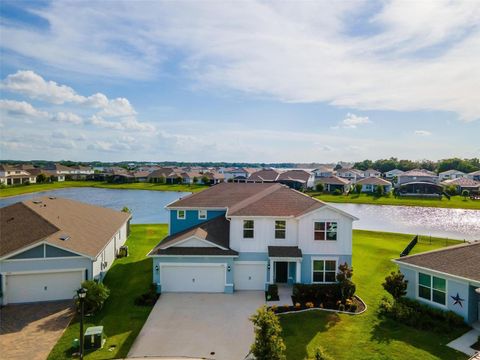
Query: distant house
(417, 175)
(11, 175)
(446, 279)
(297, 179)
(167, 174)
(263, 176)
(371, 173)
(419, 189)
(233, 173)
(333, 183)
(323, 171)
(50, 245)
(450, 174)
(474, 175)
(389, 175)
(59, 172)
(462, 183)
(141, 176)
(353, 175)
(80, 172)
(371, 184)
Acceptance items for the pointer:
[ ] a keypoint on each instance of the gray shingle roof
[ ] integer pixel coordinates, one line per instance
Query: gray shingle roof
(284, 251)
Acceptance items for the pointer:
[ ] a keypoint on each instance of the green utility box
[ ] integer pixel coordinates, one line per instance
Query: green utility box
(93, 338)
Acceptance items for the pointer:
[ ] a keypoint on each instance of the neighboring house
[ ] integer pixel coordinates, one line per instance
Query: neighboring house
(371, 173)
(80, 172)
(417, 175)
(447, 279)
(48, 246)
(352, 175)
(168, 174)
(245, 236)
(233, 173)
(323, 171)
(474, 175)
(264, 175)
(141, 176)
(463, 184)
(419, 189)
(297, 179)
(11, 175)
(450, 174)
(371, 184)
(332, 183)
(192, 177)
(390, 175)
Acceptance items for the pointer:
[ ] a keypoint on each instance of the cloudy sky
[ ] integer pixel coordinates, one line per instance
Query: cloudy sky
(239, 81)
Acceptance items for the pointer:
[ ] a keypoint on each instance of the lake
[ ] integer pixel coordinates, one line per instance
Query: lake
(148, 207)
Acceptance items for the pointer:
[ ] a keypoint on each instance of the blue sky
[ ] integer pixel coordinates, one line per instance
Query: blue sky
(250, 81)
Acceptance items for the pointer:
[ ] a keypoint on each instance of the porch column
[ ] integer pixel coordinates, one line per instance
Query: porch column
(298, 273)
(271, 271)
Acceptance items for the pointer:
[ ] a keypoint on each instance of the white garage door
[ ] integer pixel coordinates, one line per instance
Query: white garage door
(193, 278)
(42, 286)
(249, 276)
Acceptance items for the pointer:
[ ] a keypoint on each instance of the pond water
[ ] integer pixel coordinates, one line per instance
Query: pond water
(148, 207)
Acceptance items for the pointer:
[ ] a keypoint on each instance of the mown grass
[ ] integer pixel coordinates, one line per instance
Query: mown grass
(122, 320)
(367, 336)
(26, 189)
(456, 202)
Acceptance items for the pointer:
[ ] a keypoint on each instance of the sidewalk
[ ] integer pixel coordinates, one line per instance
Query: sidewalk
(464, 342)
(284, 296)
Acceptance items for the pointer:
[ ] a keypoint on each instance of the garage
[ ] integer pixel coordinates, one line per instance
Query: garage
(48, 286)
(250, 276)
(193, 278)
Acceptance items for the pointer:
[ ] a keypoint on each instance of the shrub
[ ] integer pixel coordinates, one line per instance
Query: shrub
(97, 293)
(298, 305)
(309, 305)
(380, 190)
(319, 187)
(149, 298)
(326, 294)
(347, 287)
(337, 192)
(353, 307)
(358, 188)
(395, 284)
(341, 307)
(450, 190)
(465, 193)
(321, 354)
(268, 343)
(205, 180)
(272, 292)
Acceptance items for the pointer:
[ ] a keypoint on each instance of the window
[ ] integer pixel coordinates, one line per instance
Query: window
(181, 214)
(324, 271)
(202, 214)
(325, 230)
(248, 226)
(280, 226)
(432, 288)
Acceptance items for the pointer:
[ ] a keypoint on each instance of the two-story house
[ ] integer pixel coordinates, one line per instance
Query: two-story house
(352, 175)
(12, 175)
(242, 236)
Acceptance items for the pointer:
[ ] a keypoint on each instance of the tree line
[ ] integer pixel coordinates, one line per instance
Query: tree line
(384, 165)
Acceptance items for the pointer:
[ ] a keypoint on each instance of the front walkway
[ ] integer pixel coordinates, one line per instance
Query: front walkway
(199, 325)
(29, 331)
(464, 342)
(284, 295)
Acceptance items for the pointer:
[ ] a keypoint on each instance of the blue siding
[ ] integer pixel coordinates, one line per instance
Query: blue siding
(307, 264)
(34, 253)
(199, 259)
(292, 270)
(52, 251)
(47, 264)
(474, 300)
(191, 219)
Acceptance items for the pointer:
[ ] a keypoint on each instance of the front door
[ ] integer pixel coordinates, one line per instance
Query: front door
(281, 272)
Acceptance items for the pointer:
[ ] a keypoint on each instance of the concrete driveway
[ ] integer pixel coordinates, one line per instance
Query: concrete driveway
(211, 326)
(29, 331)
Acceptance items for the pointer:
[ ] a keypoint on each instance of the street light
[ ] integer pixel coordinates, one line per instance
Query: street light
(82, 293)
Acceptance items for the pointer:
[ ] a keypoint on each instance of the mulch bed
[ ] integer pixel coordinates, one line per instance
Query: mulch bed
(289, 308)
(476, 346)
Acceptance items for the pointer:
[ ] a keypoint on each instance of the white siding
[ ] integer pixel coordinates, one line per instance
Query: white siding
(194, 243)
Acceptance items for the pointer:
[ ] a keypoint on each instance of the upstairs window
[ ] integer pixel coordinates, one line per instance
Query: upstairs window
(202, 214)
(248, 229)
(280, 226)
(324, 271)
(432, 288)
(325, 230)
(181, 214)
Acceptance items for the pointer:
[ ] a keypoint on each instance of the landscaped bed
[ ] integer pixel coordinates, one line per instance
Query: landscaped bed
(355, 305)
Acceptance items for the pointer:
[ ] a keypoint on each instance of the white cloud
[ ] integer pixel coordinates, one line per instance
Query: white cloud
(117, 107)
(126, 123)
(67, 117)
(422, 133)
(22, 108)
(352, 121)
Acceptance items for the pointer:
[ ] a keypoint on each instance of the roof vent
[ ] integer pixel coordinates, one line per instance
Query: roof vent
(64, 237)
(37, 201)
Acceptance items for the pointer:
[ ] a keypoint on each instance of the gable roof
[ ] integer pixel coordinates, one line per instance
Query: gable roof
(88, 227)
(294, 175)
(418, 172)
(264, 175)
(460, 260)
(450, 172)
(215, 231)
(334, 180)
(462, 181)
(374, 181)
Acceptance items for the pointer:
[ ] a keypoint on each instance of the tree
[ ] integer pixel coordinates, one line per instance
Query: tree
(268, 343)
(347, 287)
(97, 293)
(337, 167)
(358, 188)
(380, 190)
(205, 180)
(162, 179)
(395, 284)
(319, 187)
(195, 180)
(178, 179)
(41, 178)
(126, 210)
(465, 194)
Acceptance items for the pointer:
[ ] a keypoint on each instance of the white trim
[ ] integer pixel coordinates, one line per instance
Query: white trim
(192, 208)
(201, 256)
(324, 221)
(202, 211)
(427, 301)
(324, 258)
(285, 259)
(196, 238)
(43, 259)
(284, 230)
(330, 207)
(416, 267)
(6, 273)
(184, 215)
(251, 262)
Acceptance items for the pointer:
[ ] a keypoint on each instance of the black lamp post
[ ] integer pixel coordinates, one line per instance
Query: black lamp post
(82, 293)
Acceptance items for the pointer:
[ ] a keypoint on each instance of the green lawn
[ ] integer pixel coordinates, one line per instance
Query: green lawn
(26, 189)
(455, 201)
(127, 278)
(366, 336)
